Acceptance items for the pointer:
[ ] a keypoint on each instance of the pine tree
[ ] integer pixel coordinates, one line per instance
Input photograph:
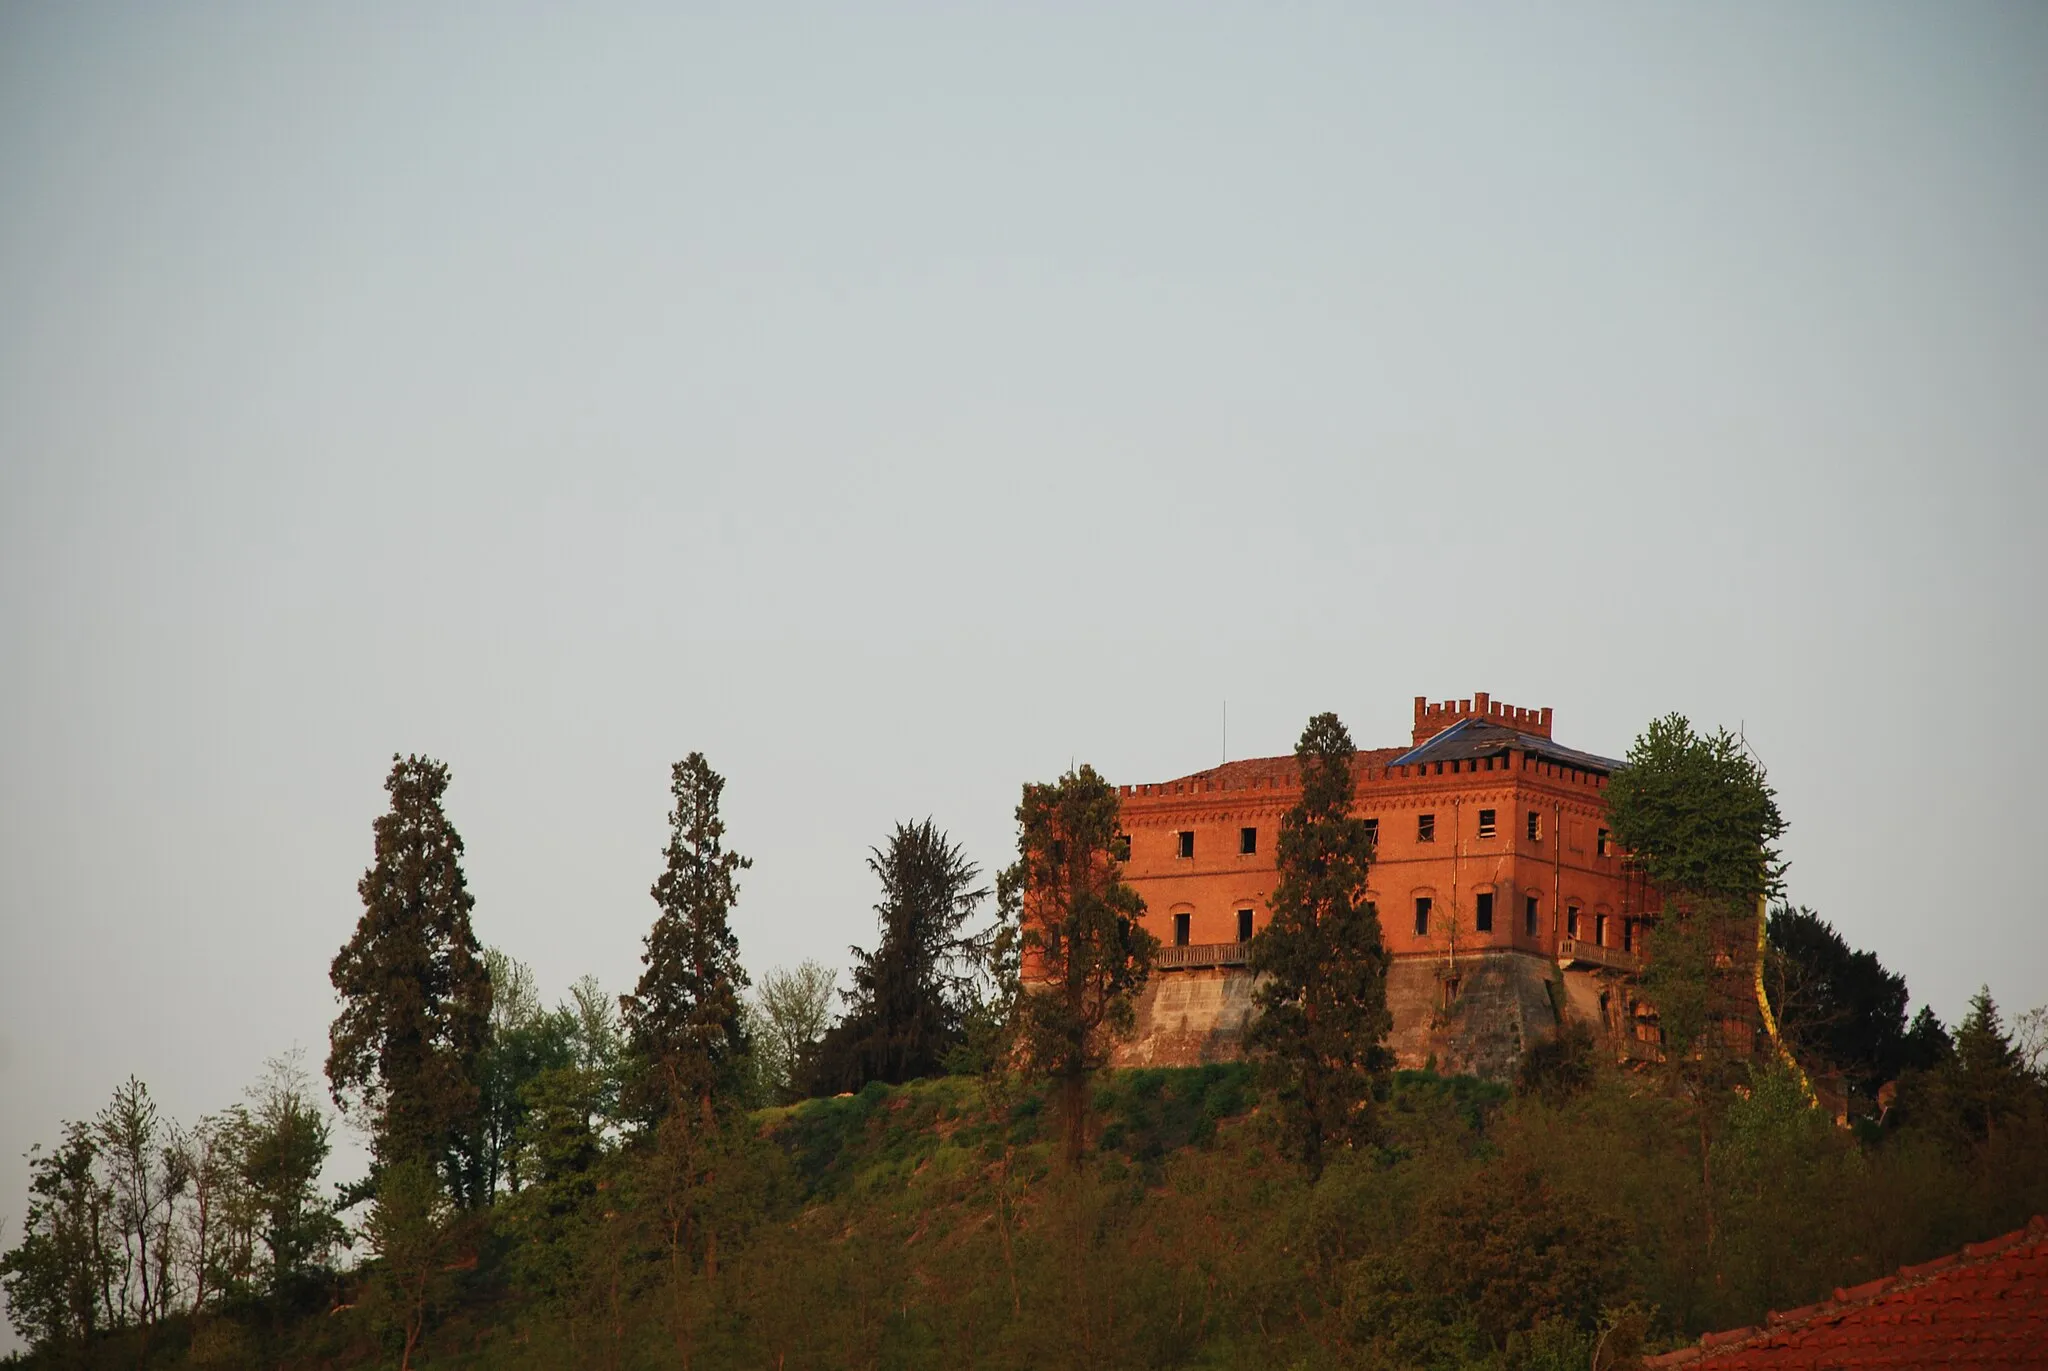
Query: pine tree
(415, 995)
(1086, 956)
(684, 1018)
(906, 1004)
(1985, 1082)
(1322, 1015)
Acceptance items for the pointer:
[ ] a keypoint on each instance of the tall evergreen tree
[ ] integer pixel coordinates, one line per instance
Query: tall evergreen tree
(907, 999)
(1985, 1082)
(684, 1018)
(415, 994)
(1086, 956)
(1323, 1021)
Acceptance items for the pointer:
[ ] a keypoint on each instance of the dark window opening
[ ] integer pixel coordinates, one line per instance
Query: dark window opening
(1180, 929)
(1052, 941)
(1535, 827)
(1600, 844)
(1186, 838)
(1121, 848)
(1628, 935)
(1425, 828)
(1449, 985)
(1244, 925)
(1247, 841)
(1571, 921)
(1422, 903)
(1486, 824)
(1482, 917)
(1600, 929)
(1372, 832)
(1529, 915)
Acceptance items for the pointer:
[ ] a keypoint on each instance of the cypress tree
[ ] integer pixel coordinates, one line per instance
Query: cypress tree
(415, 995)
(1322, 1015)
(684, 1017)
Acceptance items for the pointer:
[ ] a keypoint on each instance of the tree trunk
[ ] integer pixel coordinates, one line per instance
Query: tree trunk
(1073, 1106)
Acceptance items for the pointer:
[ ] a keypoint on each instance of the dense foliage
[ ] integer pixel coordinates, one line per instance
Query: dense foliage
(684, 1018)
(1836, 1005)
(1086, 954)
(907, 1010)
(415, 995)
(934, 1225)
(1322, 1003)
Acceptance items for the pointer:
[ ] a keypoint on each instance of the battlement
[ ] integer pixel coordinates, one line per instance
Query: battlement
(1431, 720)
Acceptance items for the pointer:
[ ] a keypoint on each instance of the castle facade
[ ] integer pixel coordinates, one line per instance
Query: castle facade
(1499, 891)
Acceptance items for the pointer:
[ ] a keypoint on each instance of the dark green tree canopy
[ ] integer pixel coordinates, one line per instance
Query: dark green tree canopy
(683, 1020)
(1984, 1080)
(905, 1010)
(415, 996)
(1323, 1018)
(1835, 1003)
(1085, 954)
(1695, 814)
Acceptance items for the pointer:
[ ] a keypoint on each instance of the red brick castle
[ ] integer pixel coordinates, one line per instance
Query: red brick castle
(1500, 895)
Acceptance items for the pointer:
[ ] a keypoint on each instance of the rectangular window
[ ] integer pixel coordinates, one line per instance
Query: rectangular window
(1535, 826)
(1244, 925)
(1180, 929)
(1372, 832)
(1186, 839)
(1422, 903)
(1600, 929)
(1482, 917)
(1486, 824)
(1247, 841)
(1121, 848)
(1529, 915)
(1628, 935)
(1571, 921)
(1425, 828)
(1600, 844)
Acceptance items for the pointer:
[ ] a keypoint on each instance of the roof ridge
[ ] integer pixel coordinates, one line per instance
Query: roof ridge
(1845, 1299)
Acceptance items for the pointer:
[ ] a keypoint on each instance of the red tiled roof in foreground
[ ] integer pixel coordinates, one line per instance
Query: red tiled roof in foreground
(1986, 1306)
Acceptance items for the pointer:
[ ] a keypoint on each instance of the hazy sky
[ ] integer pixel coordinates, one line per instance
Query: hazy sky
(898, 403)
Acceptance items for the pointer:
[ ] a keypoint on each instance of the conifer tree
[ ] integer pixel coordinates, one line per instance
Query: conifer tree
(684, 1018)
(415, 995)
(1322, 1003)
(906, 1004)
(1985, 1082)
(1086, 956)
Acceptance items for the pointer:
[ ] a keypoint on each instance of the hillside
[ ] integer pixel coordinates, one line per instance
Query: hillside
(928, 1225)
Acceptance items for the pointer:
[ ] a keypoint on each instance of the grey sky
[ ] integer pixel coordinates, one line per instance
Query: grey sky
(896, 403)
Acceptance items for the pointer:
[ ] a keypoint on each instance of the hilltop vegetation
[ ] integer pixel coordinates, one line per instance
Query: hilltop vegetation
(932, 1225)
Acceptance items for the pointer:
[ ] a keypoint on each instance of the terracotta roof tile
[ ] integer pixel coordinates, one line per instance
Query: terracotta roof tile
(1985, 1307)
